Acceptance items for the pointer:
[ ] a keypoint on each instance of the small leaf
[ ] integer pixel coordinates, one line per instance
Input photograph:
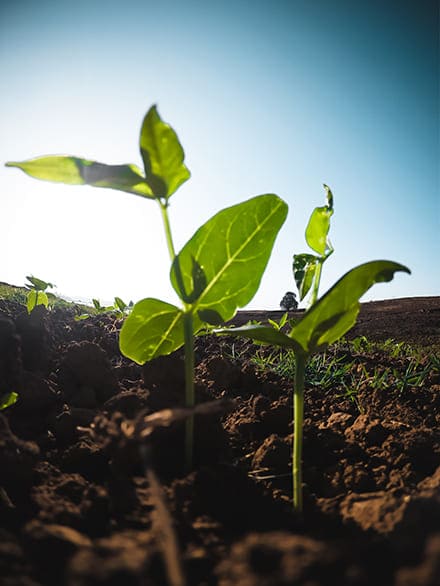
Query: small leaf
(35, 298)
(97, 304)
(283, 320)
(75, 171)
(81, 317)
(153, 328)
(7, 400)
(163, 156)
(38, 284)
(304, 271)
(336, 312)
(233, 249)
(120, 304)
(262, 335)
(318, 228)
(198, 281)
(210, 316)
(319, 225)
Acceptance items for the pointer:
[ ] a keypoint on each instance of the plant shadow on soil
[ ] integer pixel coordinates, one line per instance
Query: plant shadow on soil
(77, 508)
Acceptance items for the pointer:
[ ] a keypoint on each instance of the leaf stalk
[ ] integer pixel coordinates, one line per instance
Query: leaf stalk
(166, 223)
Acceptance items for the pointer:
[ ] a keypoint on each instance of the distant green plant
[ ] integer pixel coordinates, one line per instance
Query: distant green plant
(327, 320)
(119, 309)
(217, 271)
(279, 325)
(37, 293)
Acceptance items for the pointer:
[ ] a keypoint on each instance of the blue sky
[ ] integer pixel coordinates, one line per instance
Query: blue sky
(276, 97)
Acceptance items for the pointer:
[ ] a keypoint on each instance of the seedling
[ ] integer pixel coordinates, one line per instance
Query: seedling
(326, 321)
(37, 294)
(307, 267)
(279, 325)
(119, 309)
(218, 270)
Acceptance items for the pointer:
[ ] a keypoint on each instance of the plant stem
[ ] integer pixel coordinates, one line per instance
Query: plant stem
(188, 334)
(167, 227)
(188, 327)
(316, 283)
(298, 415)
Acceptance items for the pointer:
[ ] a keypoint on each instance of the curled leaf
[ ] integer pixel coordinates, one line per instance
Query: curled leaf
(162, 155)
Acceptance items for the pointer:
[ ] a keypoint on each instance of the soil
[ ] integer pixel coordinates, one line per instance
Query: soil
(93, 488)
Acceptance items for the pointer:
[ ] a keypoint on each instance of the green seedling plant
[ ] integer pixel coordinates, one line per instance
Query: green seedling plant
(279, 325)
(217, 271)
(307, 268)
(37, 293)
(325, 322)
(119, 309)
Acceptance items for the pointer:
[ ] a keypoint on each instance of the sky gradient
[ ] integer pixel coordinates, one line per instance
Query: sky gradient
(276, 97)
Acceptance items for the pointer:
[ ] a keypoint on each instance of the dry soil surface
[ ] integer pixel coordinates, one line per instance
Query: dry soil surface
(93, 487)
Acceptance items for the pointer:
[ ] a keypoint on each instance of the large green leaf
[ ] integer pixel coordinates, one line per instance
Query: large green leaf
(319, 226)
(163, 155)
(232, 249)
(75, 171)
(336, 312)
(153, 328)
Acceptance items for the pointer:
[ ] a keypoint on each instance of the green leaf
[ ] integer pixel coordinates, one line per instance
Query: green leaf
(36, 298)
(319, 225)
(262, 335)
(7, 400)
(97, 304)
(304, 271)
(75, 171)
(198, 281)
(163, 156)
(120, 304)
(336, 312)
(278, 325)
(38, 284)
(283, 320)
(232, 249)
(210, 316)
(317, 230)
(152, 329)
